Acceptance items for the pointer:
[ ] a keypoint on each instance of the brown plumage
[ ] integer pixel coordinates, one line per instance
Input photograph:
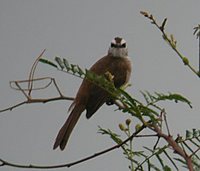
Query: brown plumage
(91, 97)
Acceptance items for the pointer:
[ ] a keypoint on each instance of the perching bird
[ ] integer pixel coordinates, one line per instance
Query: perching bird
(90, 97)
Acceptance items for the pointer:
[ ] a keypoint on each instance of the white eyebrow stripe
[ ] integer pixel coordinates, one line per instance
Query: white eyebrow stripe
(123, 41)
(113, 41)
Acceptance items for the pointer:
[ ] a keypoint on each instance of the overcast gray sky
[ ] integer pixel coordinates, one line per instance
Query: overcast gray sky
(81, 31)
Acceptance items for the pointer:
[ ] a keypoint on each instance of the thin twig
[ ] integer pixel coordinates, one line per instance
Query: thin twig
(14, 106)
(29, 101)
(32, 72)
(22, 90)
(33, 80)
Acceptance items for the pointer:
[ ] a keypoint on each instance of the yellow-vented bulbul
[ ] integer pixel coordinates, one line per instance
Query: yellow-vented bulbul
(90, 97)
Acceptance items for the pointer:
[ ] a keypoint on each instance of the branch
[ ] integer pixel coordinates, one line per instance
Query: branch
(6, 163)
(170, 40)
(29, 101)
(28, 97)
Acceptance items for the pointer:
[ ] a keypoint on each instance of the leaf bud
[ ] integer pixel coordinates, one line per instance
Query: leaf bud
(128, 121)
(185, 61)
(137, 127)
(122, 128)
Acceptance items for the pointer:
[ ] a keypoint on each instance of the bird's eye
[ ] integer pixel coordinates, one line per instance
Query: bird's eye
(112, 45)
(123, 45)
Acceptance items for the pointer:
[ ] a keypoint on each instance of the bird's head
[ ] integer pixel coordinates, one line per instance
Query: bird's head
(118, 48)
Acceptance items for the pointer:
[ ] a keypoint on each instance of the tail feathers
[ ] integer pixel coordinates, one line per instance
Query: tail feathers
(65, 131)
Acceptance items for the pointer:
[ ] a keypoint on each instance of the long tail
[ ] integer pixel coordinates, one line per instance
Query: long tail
(65, 131)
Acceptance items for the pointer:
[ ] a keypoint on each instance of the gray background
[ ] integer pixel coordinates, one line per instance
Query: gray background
(81, 31)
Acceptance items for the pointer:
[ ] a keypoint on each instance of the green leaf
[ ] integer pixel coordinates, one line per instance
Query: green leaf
(189, 134)
(167, 168)
(146, 97)
(181, 161)
(112, 135)
(80, 71)
(160, 160)
(185, 61)
(146, 111)
(128, 97)
(66, 63)
(152, 99)
(45, 61)
(60, 62)
(175, 97)
(196, 132)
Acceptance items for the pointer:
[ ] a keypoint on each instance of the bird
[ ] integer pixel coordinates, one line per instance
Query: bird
(91, 97)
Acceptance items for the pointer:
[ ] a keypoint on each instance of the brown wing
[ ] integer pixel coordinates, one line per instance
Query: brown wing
(91, 95)
(97, 98)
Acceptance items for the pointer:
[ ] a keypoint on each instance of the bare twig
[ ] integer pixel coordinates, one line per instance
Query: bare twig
(13, 83)
(32, 72)
(14, 106)
(30, 100)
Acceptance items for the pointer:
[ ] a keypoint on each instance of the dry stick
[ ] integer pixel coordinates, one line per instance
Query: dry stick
(14, 106)
(5, 163)
(36, 101)
(35, 79)
(32, 72)
(22, 91)
(57, 88)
